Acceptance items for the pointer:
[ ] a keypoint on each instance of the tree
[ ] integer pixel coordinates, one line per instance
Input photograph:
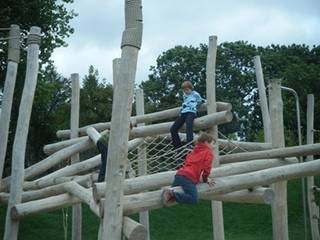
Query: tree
(297, 65)
(54, 19)
(95, 99)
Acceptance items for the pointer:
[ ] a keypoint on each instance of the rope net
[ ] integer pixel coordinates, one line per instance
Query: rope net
(159, 155)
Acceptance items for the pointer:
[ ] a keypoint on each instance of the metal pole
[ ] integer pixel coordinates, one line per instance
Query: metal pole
(303, 184)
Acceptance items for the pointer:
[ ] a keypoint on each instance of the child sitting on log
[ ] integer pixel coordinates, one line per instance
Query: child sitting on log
(197, 166)
(188, 112)
(102, 145)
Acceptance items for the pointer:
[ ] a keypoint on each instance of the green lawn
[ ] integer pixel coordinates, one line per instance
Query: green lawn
(242, 222)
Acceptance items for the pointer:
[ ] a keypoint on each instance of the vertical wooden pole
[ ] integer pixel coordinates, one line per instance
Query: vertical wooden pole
(279, 205)
(217, 210)
(10, 81)
(263, 99)
(121, 112)
(20, 140)
(142, 155)
(313, 208)
(74, 125)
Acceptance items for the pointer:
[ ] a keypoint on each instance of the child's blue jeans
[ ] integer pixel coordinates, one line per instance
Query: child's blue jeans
(187, 118)
(190, 192)
(104, 154)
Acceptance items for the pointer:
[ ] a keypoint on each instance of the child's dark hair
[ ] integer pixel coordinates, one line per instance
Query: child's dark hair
(187, 84)
(205, 137)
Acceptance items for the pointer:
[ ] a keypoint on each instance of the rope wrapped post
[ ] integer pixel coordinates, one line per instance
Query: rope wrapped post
(74, 126)
(313, 208)
(279, 206)
(10, 81)
(121, 112)
(142, 154)
(20, 141)
(263, 99)
(217, 210)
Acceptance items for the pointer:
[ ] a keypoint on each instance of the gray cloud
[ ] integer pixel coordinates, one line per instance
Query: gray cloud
(168, 23)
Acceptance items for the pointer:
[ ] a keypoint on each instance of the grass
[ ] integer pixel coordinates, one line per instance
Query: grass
(242, 222)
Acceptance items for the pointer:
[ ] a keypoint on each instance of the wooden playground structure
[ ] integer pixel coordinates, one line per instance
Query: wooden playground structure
(141, 161)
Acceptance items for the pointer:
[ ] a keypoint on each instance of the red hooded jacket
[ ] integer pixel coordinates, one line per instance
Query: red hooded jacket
(197, 163)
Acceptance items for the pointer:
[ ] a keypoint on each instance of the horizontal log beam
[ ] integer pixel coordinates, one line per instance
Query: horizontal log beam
(154, 129)
(238, 146)
(158, 180)
(297, 151)
(152, 200)
(259, 195)
(146, 118)
(133, 230)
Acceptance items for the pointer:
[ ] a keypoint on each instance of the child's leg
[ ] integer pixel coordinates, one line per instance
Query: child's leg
(174, 131)
(190, 193)
(104, 154)
(189, 126)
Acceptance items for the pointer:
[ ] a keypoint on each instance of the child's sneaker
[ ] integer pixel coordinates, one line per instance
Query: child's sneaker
(167, 197)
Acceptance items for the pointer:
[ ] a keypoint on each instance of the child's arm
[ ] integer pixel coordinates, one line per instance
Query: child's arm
(199, 99)
(207, 167)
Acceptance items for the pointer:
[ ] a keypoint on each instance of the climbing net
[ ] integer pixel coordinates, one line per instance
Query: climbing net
(159, 155)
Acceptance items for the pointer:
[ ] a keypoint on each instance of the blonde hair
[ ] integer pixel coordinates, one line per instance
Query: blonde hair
(205, 137)
(187, 84)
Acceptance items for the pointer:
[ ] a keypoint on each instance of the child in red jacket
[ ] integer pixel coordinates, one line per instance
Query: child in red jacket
(197, 165)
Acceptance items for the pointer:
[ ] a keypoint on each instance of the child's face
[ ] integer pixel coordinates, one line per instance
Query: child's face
(187, 91)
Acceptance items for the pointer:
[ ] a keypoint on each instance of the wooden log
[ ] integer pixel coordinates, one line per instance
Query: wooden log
(49, 191)
(158, 180)
(121, 112)
(85, 195)
(55, 147)
(133, 230)
(142, 154)
(152, 200)
(279, 205)
(312, 204)
(295, 151)
(216, 206)
(50, 161)
(74, 125)
(93, 134)
(87, 165)
(238, 146)
(21, 135)
(155, 129)
(263, 99)
(259, 195)
(7, 97)
(146, 118)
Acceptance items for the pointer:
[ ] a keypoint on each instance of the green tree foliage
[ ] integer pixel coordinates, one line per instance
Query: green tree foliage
(95, 98)
(297, 65)
(52, 90)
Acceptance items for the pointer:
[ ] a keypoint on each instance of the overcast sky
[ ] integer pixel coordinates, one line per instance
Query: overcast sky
(168, 23)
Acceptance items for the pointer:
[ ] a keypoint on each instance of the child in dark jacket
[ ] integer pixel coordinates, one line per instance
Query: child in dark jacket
(102, 145)
(188, 112)
(197, 165)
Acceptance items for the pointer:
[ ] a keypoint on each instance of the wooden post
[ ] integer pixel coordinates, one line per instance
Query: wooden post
(11, 75)
(217, 210)
(279, 206)
(263, 99)
(313, 208)
(20, 141)
(142, 164)
(74, 126)
(121, 112)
